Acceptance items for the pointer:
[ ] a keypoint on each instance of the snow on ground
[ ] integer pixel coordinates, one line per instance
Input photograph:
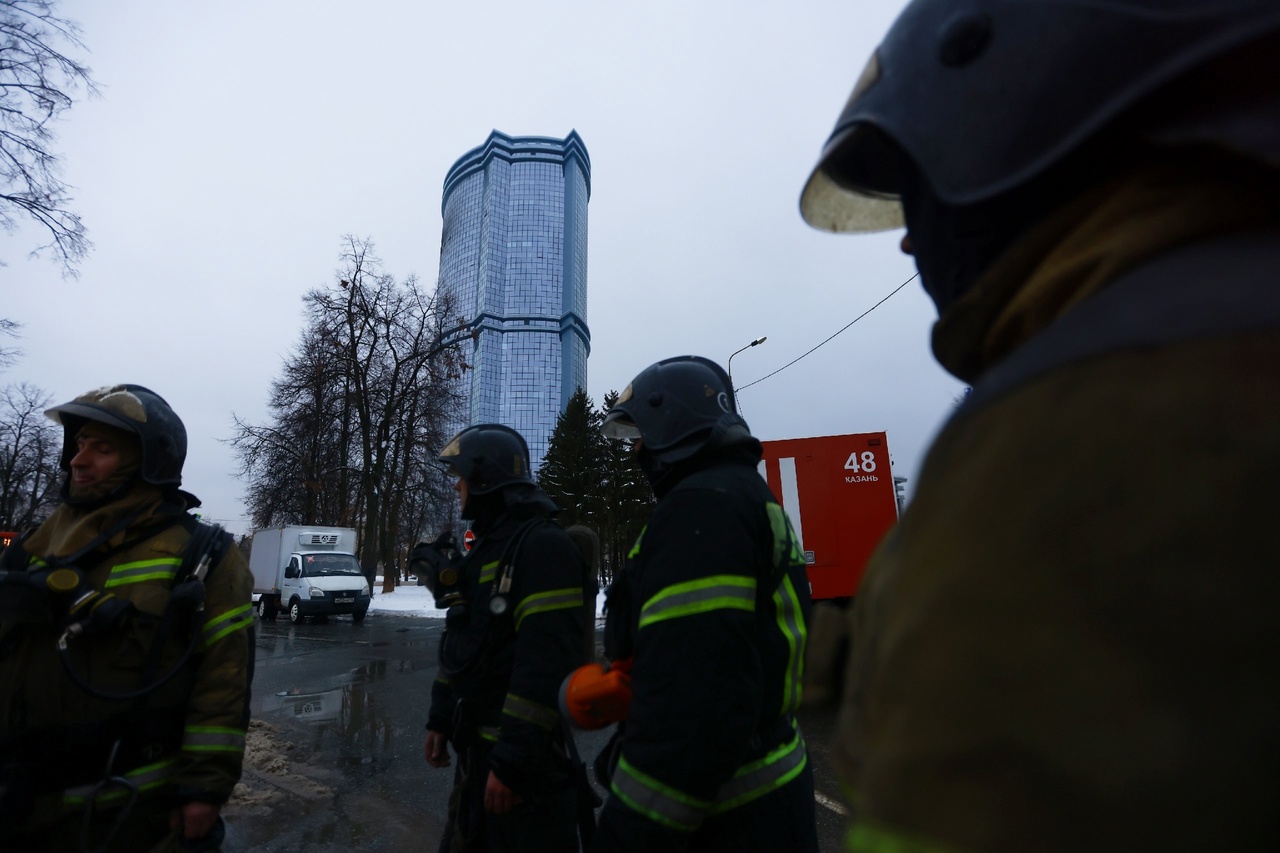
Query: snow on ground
(411, 600)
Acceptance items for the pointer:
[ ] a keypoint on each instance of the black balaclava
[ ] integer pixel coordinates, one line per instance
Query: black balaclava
(955, 244)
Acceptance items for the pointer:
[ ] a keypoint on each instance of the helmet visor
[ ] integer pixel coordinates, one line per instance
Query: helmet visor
(618, 424)
(450, 455)
(832, 205)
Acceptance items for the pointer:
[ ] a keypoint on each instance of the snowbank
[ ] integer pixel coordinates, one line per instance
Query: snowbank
(410, 600)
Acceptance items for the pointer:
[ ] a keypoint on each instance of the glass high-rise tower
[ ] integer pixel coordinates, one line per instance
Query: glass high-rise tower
(513, 257)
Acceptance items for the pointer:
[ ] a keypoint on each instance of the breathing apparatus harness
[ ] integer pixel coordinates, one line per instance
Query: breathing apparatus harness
(80, 609)
(499, 605)
(61, 594)
(495, 632)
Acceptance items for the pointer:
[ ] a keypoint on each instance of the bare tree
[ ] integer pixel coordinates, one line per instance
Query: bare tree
(37, 82)
(402, 397)
(8, 355)
(299, 465)
(30, 446)
(357, 414)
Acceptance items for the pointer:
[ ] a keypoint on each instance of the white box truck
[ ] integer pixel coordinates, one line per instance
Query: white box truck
(308, 571)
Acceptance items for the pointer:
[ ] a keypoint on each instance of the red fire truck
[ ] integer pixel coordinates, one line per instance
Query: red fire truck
(839, 493)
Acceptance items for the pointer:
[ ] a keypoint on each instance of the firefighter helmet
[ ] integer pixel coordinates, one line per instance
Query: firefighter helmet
(982, 96)
(677, 407)
(137, 410)
(488, 457)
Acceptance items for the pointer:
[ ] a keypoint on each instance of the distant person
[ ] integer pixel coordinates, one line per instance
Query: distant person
(710, 614)
(516, 623)
(1070, 640)
(126, 647)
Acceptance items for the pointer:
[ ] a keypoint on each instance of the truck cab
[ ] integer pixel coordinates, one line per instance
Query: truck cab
(320, 584)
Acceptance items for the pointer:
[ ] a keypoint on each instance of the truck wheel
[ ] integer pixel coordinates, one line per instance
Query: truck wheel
(295, 613)
(358, 616)
(269, 607)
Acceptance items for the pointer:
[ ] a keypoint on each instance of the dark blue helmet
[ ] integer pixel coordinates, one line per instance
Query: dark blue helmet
(677, 407)
(134, 409)
(982, 96)
(488, 457)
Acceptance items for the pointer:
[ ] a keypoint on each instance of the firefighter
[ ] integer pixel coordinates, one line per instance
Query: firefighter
(516, 622)
(710, 615)
(125, 646)
(1069, 641)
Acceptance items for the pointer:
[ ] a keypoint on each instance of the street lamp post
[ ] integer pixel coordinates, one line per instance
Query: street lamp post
(757, 342)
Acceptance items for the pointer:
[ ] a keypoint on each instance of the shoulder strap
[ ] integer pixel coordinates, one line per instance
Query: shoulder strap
(507, 562)
(1216, 287)
(204, 549)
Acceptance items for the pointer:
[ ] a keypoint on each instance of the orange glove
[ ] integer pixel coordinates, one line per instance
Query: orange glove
(596, 695)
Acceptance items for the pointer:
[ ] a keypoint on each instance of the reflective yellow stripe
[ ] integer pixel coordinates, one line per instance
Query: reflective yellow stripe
(791, 623)
(719, 592)
(785, 546)
(757, 778)
(163, 568)
(543, 602)
(635, 549)
(675, 809)
(236, 619)
(146, 778)
(487, 571)
(868, 836)
(212, 739)
(530, 711)
(658, 802)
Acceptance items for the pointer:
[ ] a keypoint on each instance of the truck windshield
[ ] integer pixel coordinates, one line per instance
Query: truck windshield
(330, 564)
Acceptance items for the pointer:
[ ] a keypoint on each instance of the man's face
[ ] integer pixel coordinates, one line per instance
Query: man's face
(96, 459)
(460, 486)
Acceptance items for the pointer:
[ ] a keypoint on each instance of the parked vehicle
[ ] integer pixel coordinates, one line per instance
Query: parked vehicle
(308, 571)
(839, 493)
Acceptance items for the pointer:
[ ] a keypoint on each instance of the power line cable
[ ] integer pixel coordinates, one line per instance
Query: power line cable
(828, 340)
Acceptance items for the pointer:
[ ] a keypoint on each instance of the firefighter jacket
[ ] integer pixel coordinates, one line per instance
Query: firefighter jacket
(713, 606)
(500, 673)
(59, 724)
(1070, 640)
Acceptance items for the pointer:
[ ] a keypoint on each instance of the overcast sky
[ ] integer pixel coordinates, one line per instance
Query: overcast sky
(235, 143)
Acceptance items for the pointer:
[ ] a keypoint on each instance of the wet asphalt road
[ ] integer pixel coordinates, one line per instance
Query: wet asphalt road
(353, 699)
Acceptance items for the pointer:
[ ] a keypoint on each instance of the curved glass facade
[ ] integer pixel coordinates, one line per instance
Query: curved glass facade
(513, 256)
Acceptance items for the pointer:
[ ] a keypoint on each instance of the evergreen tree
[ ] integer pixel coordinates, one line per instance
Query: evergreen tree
(626, 502)
(571, 468)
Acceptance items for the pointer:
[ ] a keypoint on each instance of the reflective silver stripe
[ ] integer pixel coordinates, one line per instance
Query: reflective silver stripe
(212, 739)
(233, 620)
(656, 801)
(162, 568)
(144, 779)
(757, 778)
(791, 623)
(718, 592)
(556, 599)
(525, 709)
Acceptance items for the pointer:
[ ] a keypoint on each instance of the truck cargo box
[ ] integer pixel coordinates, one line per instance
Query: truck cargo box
(839, 493)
